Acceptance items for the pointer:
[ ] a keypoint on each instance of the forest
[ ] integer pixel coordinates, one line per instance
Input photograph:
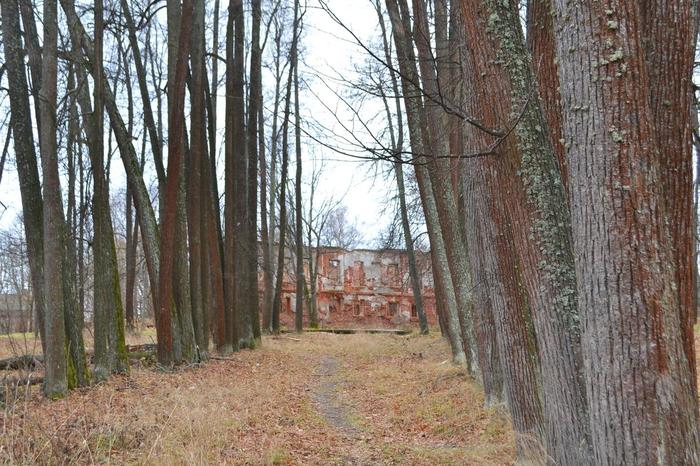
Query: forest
(179, 174)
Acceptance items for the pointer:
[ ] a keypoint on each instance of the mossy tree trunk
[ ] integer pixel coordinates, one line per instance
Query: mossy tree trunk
(625, 189)
(25, 155)
(530, 188)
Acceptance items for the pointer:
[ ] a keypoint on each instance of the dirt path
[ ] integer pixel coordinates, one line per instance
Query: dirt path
(337, 415)
(325, 397)
(320, 399)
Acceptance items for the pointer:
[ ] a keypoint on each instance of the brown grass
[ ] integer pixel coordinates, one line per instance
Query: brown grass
(408, 403)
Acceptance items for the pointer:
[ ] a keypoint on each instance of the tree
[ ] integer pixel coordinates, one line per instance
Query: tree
(255, 131)
(397, 141)
(530, 189)
(110, 347)
(164, 314)
(339, 231)
(620, 209)
(413, 103)
(55, 377)
(196, 189)
(298, 236)
(283, 184)
(25, 155)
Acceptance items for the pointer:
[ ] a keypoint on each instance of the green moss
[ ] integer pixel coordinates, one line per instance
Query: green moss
(539, 170)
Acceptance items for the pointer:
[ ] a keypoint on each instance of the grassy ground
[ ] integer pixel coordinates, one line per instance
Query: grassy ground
(314, 399)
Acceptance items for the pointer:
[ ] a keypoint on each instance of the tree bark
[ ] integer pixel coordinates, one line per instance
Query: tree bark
(166, 309)
(55, 373)
(147, 219)
(254, 135)
(25, 155)
(195, 186)
(668, 52)
(436, 140)
(530, 188)
(277, 300)
(397, 142)
(110, 347)
(641, 397)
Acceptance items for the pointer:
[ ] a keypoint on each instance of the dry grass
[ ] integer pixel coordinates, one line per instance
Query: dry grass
(258, 407)
(15, 344)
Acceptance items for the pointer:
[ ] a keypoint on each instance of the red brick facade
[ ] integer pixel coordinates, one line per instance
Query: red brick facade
(362, 288)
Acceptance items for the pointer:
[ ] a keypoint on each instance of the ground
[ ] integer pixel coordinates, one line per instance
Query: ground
(309, 399)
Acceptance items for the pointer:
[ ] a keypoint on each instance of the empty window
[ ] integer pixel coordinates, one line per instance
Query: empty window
(356, 309)
(334, 269)
(414, 311)
(393, 309)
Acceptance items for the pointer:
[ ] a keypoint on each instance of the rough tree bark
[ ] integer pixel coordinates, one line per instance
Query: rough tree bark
(144, 210)
(195, 187)
(241, 240)
(110, 347)
(640, 393)
(668, 52)
(231, 327)
(166, 308)
(25, 155)
(436, 139)
(530, 188)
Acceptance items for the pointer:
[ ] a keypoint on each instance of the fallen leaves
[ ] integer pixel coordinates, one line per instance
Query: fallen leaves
(258, 407)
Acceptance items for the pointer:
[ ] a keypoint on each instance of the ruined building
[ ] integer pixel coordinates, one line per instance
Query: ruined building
(360, 288)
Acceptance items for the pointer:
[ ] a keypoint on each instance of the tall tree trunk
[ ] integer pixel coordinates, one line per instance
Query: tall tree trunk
(299, 238)
(25, 155)
(78, 372)
(414, 107)
(144, 210)
(170, 227)
(195, 187)
(277, 301)
(110, 347)
(397, 141)
(436, 139)
(254, 134)
(265, 231)
(241, 240)
(55, 372)
(229, 200)
(272, 224)
(531, 190)
(641, 397)
(670, 53)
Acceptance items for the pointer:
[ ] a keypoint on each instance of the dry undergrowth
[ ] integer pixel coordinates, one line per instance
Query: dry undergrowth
(405, 404)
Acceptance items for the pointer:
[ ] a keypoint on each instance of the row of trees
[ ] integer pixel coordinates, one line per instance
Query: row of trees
(553, 159)
(141, 81)
(553, 165)
(161, 110)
